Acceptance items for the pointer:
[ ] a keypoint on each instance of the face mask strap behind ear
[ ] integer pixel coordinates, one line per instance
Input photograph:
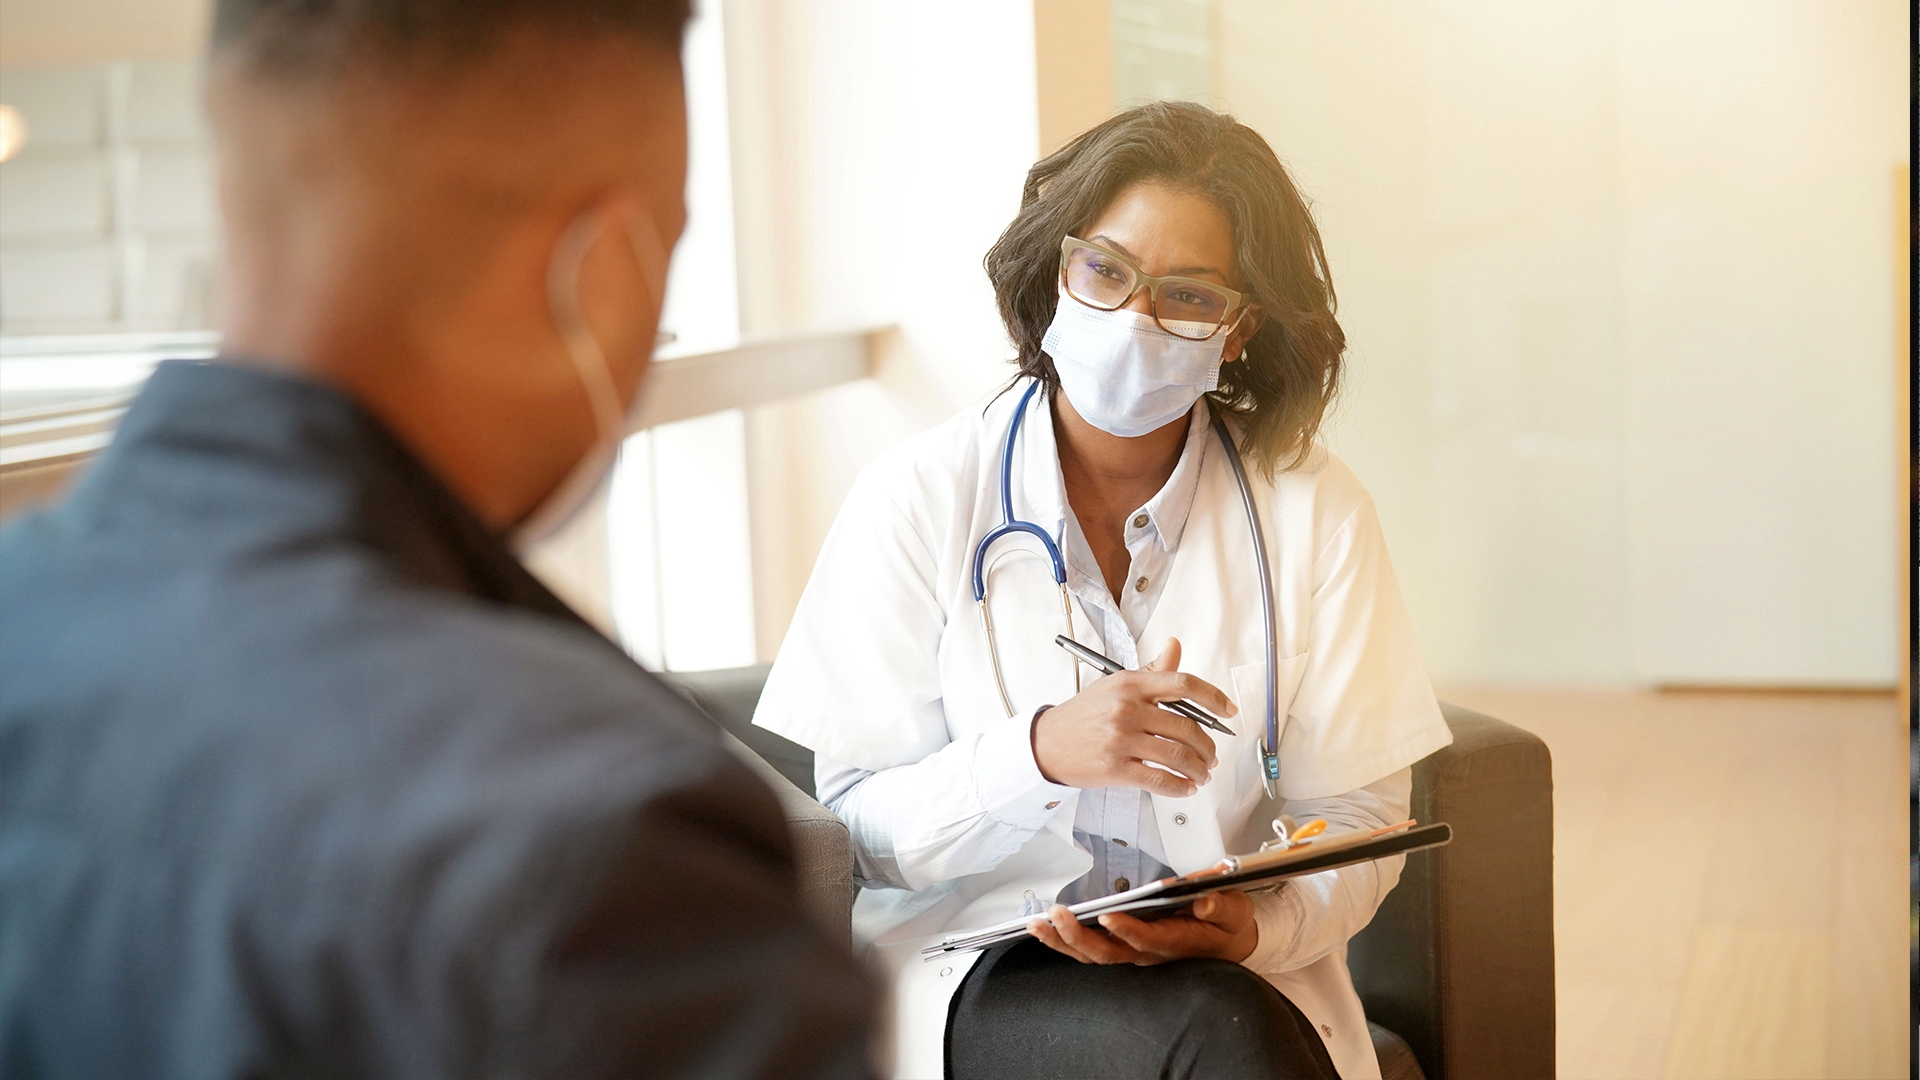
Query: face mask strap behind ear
(649, 252)
(590, 364)
(563, 302)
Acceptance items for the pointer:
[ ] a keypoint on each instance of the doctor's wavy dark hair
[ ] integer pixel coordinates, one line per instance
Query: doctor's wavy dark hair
(1283, 388)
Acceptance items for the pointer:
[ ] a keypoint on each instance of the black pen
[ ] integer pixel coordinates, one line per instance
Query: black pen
(1108, 666)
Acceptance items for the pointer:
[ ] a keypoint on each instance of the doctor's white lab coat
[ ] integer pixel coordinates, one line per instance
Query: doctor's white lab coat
(886, 663)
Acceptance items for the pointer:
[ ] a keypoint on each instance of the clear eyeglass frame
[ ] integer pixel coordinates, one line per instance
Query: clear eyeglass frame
(1237, 302)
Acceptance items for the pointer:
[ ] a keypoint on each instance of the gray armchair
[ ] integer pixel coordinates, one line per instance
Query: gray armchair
(1456, 970)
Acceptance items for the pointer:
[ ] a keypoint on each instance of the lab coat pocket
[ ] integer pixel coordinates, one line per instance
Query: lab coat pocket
(1250, 694)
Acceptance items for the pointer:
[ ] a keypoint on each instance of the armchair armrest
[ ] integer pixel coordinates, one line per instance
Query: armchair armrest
(822, 849)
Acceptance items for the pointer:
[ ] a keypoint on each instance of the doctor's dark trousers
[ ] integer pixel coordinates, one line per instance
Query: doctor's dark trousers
(1027, 1011)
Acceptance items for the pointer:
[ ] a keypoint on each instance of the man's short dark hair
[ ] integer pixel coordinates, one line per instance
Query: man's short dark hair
(312, 37)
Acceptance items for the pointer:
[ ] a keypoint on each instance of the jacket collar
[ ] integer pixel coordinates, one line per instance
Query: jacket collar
(257, 458)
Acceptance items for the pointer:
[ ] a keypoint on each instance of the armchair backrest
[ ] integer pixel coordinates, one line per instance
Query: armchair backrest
(1459, 959)
(729, 695)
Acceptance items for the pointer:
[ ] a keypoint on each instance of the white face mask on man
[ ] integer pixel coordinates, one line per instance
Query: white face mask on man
(590, 364)
(1123, 373)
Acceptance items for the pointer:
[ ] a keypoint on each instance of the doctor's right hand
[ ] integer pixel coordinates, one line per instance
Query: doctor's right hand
(1107, 734)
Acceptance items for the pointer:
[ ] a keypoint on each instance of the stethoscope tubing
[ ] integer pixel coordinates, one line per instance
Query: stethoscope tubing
(1008, 523)
(1270, 741)
(1269, 746)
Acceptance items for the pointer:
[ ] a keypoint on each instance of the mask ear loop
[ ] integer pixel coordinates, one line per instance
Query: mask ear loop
(563, 303)
(590, 365)
(1245, 310)
(650, 252)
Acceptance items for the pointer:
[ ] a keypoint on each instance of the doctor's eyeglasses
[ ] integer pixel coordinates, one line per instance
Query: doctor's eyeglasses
(1102, 278)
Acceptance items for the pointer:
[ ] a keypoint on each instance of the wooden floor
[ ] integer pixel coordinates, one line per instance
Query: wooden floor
(1730, 880)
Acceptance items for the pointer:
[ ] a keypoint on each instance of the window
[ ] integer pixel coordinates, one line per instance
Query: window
(109, 238)
(680, 576)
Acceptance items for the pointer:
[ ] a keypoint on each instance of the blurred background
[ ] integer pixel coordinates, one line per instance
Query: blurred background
(1625, 284)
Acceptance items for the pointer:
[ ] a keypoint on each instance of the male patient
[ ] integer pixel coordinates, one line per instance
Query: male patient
(300, 771)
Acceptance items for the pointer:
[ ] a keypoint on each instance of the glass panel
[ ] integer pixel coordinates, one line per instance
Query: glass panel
(1162, 51)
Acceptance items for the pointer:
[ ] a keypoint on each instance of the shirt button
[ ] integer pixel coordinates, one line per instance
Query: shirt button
(1139, 521)
(1179, 819)
(1119, 841)
(1053, 804)
(1121, 884)
(1140, 584)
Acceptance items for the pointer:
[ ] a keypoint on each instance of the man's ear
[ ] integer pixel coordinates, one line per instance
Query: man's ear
(1251, 317)
(652, 247)
(621, 286)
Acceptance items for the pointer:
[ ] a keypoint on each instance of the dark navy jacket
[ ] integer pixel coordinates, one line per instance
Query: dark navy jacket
(302, 774)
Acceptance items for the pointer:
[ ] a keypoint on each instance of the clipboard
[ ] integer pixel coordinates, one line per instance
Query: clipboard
(1157, 899)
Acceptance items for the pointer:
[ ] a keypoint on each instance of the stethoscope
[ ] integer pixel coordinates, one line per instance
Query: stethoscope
(1268, 749)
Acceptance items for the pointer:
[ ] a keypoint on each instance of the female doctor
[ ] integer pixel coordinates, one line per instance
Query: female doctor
(1162, 274)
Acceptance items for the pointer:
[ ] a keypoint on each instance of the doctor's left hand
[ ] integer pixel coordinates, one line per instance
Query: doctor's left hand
(1219, 925)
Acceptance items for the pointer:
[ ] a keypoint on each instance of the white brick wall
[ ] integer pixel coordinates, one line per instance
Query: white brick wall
(70, 285)
(173, 193)
(56, 194)
(107, 215)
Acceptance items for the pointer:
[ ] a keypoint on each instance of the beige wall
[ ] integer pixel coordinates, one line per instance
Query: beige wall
(37, 32)
(879, 149)
(1073, 68)
(1614, 274)
(1615, 283)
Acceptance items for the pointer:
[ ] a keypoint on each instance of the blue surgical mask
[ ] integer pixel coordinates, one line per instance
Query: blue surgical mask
(1123, 373)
